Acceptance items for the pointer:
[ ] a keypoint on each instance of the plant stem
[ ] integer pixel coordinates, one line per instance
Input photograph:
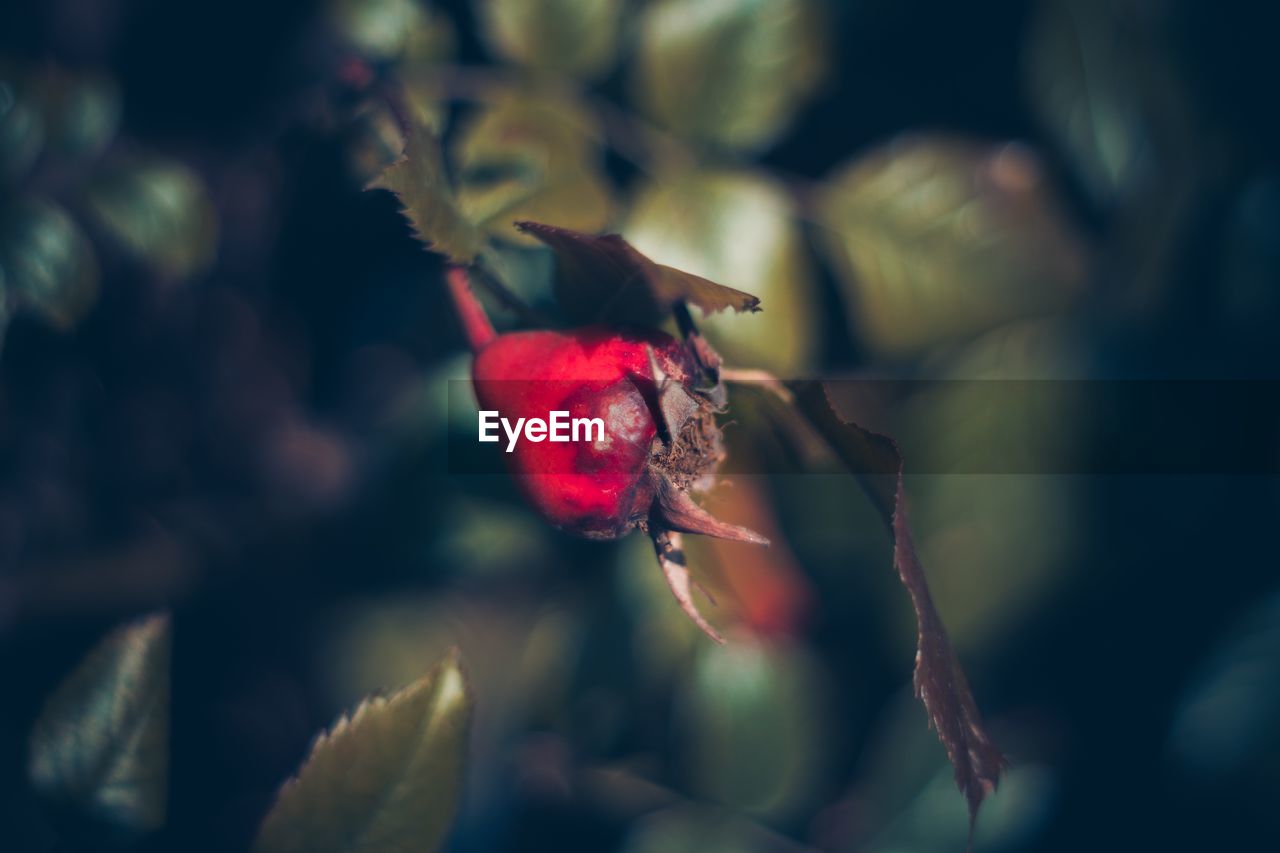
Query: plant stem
(471, 314)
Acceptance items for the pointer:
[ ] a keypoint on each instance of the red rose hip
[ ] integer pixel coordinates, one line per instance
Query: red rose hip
(659, 435)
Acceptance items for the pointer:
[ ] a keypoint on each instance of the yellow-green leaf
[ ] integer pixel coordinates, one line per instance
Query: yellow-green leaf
(374, 140)
(935, 239)
(419, 182)
(160, 211)
(738, 228)
(48, 263)
(754, 711)
(729, 72)
(389, 777)
(102, 740)
(391, 29)
(552, 132)
(578, 37)
(532, 158)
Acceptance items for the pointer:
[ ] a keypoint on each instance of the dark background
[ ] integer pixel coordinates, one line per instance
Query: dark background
(213, 446)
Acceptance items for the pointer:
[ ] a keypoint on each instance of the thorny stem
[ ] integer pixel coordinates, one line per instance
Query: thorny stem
(471, 314)
(669, 547)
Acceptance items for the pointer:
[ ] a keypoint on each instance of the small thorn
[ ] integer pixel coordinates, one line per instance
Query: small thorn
(671, 559)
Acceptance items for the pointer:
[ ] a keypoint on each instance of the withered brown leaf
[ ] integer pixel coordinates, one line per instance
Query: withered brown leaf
(605, 278)
(940, 681)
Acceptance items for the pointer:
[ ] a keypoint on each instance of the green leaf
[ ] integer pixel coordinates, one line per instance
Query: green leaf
(532, 158)
(488, 538)
(578, 37)
(102, 740)
(391, 29)
(1084, 83)
(66, 116)
(1222, 728)
(688, 828)
(48, 262)
(389, 777)
(990, 408)
(936, 239)
(418, 180)
(374, 140)
(756, 732)
(737, 227)
(82, 113)
(600, 278)
(732, 73)
(21, 132)
(160, 212)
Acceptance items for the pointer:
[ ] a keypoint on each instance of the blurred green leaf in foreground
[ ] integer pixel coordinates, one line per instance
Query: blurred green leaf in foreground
(578, 37)
(419, 181)
(160, 212)
(936, 239)
(102, 741)
(389, 777)
(523, 157)
(48, 263)
(739, 228)
(729, 73)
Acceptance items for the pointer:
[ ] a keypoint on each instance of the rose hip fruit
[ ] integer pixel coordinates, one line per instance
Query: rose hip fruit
(660, 439)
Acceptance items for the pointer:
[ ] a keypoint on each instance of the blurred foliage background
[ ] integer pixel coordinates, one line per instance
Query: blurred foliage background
(224, 391)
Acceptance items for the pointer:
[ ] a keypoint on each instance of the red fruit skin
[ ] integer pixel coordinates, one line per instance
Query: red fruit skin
(598, 489)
